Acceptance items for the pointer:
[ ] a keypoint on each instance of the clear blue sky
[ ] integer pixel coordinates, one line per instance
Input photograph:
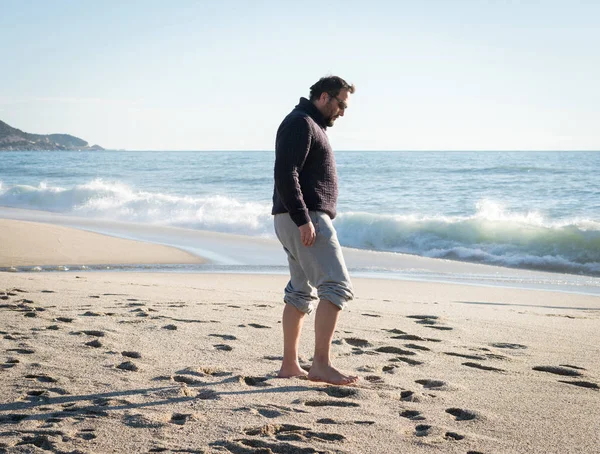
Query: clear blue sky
(220, 75)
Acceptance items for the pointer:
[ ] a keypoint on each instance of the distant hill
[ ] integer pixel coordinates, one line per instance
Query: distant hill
(12, 139)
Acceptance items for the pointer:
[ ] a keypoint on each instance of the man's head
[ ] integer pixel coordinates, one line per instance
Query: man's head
(331, 95)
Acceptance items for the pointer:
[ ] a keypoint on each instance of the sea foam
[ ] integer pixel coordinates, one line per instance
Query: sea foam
(117, 201)
(492, 234)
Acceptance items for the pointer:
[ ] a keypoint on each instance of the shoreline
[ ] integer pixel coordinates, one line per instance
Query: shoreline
(98, 244)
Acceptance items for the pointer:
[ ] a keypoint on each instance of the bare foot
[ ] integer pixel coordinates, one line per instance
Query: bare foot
(331, 375)
(291, 371)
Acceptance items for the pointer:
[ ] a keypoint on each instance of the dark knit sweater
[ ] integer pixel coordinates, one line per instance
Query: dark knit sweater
(305, 174)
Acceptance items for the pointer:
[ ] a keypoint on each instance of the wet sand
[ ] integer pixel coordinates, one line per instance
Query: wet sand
(24, 243)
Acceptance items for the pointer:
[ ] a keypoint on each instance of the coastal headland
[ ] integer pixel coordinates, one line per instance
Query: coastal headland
(13, 139)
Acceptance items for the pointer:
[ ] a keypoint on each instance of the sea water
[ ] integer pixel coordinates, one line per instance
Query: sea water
(532, 210)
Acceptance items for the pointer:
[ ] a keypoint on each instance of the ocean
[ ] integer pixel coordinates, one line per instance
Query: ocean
(530, 210)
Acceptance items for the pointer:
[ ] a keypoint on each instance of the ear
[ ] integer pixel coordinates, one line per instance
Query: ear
(324, 98)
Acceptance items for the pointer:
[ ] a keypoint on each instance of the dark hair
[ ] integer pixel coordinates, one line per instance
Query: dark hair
(331, 85)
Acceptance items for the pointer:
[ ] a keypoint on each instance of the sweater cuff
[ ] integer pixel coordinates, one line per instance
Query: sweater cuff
(300, 218)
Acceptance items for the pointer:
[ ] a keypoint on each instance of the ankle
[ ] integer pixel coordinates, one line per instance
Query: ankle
(290, 362)
(321, 361)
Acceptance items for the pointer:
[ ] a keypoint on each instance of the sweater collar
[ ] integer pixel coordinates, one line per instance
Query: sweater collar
(312, 110)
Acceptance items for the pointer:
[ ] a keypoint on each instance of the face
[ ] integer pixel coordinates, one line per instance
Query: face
(334, 107)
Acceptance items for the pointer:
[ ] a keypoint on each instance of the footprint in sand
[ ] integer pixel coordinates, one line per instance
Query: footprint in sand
(333, 421)
(582, 384)
(440, 328)
(422, 430)
(135, 355)
(187, 380)
(40, 441)
(170, 327)
(273, 429)
(182, 418)
(413, 415)
(390, 369)
(255, 381)
(558, 370)
(431, 384)
(95, 343)
(495, 356)
(509, 346)
(10, 363)
(327, 421)
(42, 378)
(417, 347)
(462, 355)
(330, 403)
(430, 321)
(289, 432)
(395, 331)
(374, 379)
(411, 337)
(92, 314)
(356, 342)
(482, 367)
(86, 434)
(215, 372)
(21, 351)
(38, 393)
(423, 317)
(372, 315)
(408, 396)
(572, 367)
(273, 358)
(64, 319)
(269, 413)
(223, 347)
(340, 391)
(409, 361)
(461, 415)
(139, 421)
(256, 325)
(94, 333)
(128, 366)
(453, 436)
(224, 336)
(394, 350)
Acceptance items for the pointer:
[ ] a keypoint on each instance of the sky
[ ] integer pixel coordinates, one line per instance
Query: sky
(221, 75)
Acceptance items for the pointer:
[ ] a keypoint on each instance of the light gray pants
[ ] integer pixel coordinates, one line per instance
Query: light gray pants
(316, 272)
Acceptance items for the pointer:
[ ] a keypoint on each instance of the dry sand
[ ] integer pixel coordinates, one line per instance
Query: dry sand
(149, 362)
(24, 243)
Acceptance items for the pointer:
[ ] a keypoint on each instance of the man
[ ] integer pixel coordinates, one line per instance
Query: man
(304, 203)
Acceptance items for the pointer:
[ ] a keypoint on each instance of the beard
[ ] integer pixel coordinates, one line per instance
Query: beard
(329, 121)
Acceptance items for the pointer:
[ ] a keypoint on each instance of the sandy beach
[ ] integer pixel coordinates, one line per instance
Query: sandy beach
(27, 243)
(110, 362)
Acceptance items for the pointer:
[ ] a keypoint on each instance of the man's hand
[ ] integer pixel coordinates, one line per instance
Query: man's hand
(307, 234)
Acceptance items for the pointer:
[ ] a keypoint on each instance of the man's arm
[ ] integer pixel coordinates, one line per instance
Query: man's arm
(291, 150)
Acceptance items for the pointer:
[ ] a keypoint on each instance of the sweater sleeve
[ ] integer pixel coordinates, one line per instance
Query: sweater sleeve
(291, 150)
